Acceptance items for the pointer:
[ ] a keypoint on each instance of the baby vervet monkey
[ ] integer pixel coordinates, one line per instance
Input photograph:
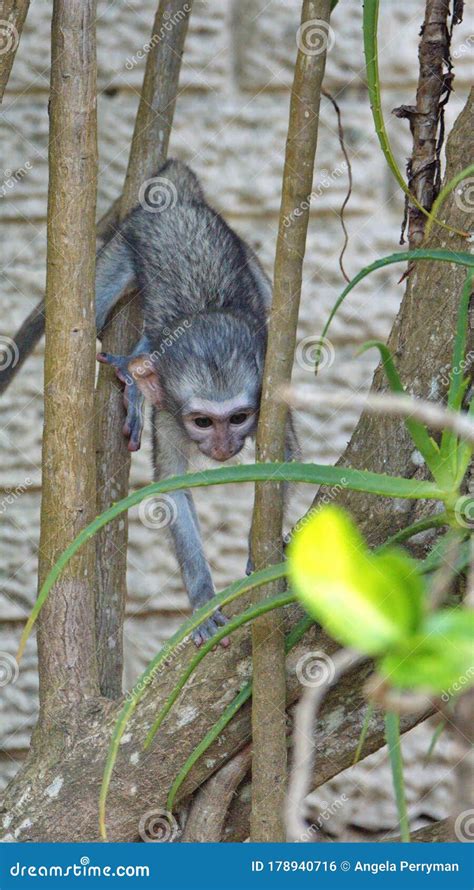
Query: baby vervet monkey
(199, 362)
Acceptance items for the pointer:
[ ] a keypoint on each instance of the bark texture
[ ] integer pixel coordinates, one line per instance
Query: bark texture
(426, 116)
(12, 18)
(148, 152)
(268, 710)
(141, 779)
(421, 343)
(66, 638)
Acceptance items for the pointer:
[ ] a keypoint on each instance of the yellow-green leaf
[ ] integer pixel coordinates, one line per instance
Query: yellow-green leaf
(368, 602)
(438, 659)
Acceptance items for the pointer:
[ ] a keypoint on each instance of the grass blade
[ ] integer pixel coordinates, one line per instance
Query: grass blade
(392, 734)
(315, 474)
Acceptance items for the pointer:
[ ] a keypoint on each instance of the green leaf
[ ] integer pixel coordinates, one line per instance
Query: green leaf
(369, 602)
(315, 474)
(421, 438)
(445, 256)
(445, 191)
(392, 734)
(438, 659)
(457, 455)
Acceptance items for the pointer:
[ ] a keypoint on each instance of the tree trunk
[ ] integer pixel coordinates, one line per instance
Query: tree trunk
(148, 152)
(268, 708)
(66, 638)
(12, 18)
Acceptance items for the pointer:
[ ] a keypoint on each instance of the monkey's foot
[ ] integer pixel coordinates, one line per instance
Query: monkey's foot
(209, 628)
(132, 398)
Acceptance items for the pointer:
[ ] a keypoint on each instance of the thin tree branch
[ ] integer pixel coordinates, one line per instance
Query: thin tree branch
(66, 638)
(303, 748)
(268, 709)
(211, 803)
(435, 416)
(148, 152)
(426, 116)
(12, 18)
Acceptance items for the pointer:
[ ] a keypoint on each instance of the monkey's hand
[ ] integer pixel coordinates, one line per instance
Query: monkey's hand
(132, 397)
(208, 628)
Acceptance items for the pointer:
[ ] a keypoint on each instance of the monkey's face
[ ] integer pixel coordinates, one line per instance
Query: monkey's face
(220, 428)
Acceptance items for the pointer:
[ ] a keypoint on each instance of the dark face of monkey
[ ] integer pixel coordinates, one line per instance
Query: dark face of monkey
(209, 378)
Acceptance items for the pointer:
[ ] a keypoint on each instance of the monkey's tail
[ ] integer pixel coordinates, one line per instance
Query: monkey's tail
(22, 344)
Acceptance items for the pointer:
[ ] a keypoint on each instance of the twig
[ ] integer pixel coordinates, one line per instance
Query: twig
(342, 143)
(433, 415)
(211, 803)
(303, 752)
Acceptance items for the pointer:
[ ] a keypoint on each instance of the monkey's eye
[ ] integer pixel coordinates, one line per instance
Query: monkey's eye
(203, 422)
(239, 418)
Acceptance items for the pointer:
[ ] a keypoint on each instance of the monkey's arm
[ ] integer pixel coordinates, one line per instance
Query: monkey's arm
(133, 399)
(183, 524)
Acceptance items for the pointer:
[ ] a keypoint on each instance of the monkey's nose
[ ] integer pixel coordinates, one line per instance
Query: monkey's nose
(221, 455)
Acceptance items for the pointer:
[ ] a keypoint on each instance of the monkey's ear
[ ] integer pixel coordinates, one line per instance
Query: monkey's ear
(143, 372)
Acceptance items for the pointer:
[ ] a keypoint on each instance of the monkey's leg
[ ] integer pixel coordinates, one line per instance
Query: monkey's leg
(132, 397)
(171, 459)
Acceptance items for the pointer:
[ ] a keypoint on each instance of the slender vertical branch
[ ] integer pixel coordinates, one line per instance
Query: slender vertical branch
(426, 116)
(269, 683)
(12, 18)
(148, 151)
(66, 640)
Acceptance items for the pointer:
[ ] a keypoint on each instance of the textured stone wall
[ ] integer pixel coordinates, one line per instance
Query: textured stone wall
(230, 124)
